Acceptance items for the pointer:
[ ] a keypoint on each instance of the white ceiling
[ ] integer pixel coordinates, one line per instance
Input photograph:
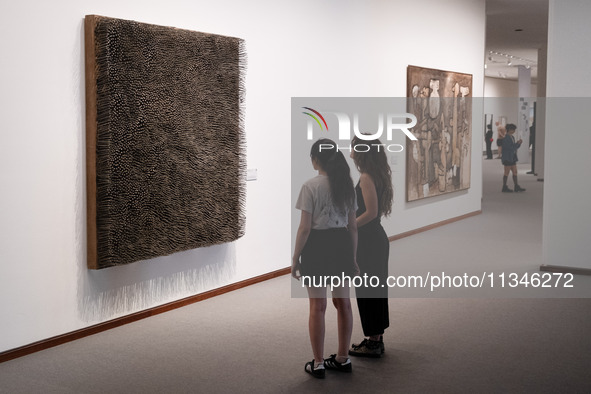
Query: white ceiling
(503, 18)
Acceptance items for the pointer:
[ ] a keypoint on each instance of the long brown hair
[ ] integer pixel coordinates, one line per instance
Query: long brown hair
(374, 162)
(339, 176)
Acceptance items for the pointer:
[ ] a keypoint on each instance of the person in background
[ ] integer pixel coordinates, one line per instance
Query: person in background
(509, 158)
(326, 245)
(488, 136)
(374, 198)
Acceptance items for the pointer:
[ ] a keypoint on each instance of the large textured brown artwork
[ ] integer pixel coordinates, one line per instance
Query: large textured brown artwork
(165, 161)
(439, 161)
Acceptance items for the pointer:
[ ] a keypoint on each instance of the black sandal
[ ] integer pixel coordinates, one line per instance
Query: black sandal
(332, 363)
(316, 372)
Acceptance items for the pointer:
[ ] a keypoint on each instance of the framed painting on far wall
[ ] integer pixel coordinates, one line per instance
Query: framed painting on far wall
(438, 162)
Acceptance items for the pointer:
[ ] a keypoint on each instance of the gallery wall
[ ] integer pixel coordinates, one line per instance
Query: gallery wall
(304, 48)
(413, 34)
(500, 98)
(567, 218)
(497, 87)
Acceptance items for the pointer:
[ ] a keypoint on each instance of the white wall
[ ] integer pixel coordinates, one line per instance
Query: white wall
(415, 31)
(497, 87)
(502, 98)
(567, 218)
(303, 48)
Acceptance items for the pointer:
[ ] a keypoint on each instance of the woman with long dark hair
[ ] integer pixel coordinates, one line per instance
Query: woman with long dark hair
(374, 198)
(326, 244)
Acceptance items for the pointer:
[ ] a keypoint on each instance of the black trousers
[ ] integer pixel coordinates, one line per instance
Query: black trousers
(489, 153)
(373, 249)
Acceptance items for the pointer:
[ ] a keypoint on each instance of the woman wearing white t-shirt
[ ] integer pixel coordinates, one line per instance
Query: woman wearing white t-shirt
(326, 245)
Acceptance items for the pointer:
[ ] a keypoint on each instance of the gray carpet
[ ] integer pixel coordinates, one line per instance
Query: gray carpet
(255, 339)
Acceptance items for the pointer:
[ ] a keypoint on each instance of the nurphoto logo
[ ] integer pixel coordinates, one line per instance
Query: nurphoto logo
(388, 122)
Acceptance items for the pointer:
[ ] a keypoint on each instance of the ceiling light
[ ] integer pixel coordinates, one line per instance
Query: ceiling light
(511, 60)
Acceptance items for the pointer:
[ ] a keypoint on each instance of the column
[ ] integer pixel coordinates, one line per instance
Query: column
(523, 112)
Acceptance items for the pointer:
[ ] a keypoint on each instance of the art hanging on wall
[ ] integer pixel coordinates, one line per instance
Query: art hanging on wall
(164, 140)
(439, 161)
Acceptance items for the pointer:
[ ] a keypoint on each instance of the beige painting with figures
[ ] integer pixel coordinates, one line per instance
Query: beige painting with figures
(438, 162)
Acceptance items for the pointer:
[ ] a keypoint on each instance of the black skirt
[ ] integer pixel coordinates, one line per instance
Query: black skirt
(328, 253)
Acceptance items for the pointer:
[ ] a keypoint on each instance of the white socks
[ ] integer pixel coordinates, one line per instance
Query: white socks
(318, 365)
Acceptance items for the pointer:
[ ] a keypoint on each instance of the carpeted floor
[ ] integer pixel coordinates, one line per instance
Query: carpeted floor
(255, 339)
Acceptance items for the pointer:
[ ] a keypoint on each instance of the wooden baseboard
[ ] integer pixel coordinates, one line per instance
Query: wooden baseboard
(95, 329)
(563, 269)
(432, 226)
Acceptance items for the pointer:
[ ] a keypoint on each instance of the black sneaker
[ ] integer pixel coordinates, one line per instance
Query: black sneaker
(506, 189)
(362, 344)
(332, 363)
(367, 348)
(318, 372)
(519, 188)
